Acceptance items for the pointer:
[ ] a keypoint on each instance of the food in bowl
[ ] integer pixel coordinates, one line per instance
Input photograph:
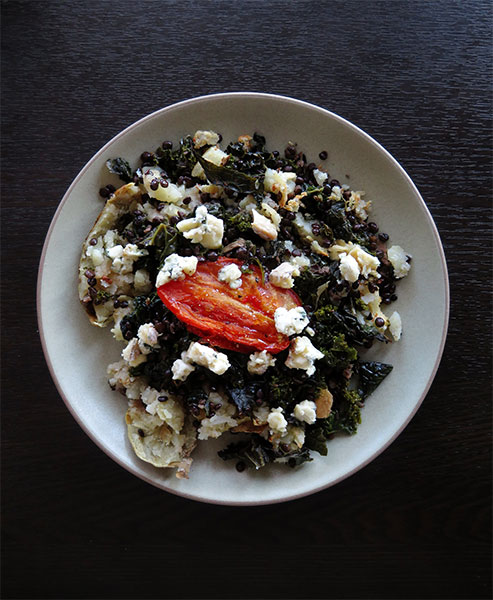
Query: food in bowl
(242, 282)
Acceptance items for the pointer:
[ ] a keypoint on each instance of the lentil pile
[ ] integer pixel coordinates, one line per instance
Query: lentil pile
(242, 283)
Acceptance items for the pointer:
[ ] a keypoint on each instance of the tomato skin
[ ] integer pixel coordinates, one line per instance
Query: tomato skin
(235, 319)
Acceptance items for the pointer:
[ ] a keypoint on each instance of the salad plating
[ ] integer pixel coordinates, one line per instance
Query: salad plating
(242, 283)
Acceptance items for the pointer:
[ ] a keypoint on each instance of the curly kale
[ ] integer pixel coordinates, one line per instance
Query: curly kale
(256, 452)
(119, 166)
(344, 417)
(177, 162)
(330, 320)
(371, 375)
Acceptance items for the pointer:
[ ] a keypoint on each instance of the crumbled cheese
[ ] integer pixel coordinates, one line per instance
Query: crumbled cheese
(300, 261)
(259, 362)
(282, 276)
(395, 325)
(221, 421)
(269, 212)
(290, 322)
(124, 259)
(277, 422)
(203, 229)
(263, 226)
(205, 138)
(165, 406)
(373, 300)
(165, 192)
(142, 281)
(205, 356)
(320, 176)
(181, 368)
(306, 411)
(348, 267)
(302, 355)
(279, 182)
(132, 354)
(360, 206)
(231, 274)
(398, 259)
(118, 315)
(367, 264)
(148, 338)
(260, 414)
(176, 267)
(96, 253)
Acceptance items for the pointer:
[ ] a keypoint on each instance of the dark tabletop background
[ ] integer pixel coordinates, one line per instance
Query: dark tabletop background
(415, 523)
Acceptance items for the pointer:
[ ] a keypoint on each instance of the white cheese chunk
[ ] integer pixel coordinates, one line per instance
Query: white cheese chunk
(259, 362)
(205, 138)
(277, 422)
(132, 355)
(367, 264)
(148, 338)
(398, 259)
(176, 267)
(181, 368)
(395, 325)
(221, 421)
(282, 276)
(263, 226)
(279, 182)
(306, 411)
(205, 356)
(203, 229)
(231, 274)
(320, 176)
(290, 322)
(142, 281)
(302, 355)
(349, 267)
(124, 259)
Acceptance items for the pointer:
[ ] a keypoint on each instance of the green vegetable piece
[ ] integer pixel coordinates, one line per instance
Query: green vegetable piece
(232, 178)
(119, 166)
(371, 375)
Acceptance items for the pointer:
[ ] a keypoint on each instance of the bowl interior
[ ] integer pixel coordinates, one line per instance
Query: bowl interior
(78, 353)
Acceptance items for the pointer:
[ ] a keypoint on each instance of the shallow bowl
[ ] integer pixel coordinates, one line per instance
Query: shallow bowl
(77, 353)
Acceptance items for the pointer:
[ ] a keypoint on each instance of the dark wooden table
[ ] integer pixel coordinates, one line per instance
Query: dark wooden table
(415, 523)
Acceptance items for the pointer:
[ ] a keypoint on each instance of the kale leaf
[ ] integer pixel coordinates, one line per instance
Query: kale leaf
(119, 166)
(256, 452)
(232, 178)
(345, 417)
(371, 375)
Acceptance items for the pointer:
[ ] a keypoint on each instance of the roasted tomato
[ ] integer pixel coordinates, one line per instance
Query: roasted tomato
(236, 319)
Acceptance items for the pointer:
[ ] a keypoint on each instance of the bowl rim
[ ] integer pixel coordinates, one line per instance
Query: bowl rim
(207, 98)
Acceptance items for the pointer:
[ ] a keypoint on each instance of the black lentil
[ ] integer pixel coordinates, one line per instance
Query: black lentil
(93, 241)
(379, 322)
(323, 155)
(146, 157)
(383, 237)
(240, 466)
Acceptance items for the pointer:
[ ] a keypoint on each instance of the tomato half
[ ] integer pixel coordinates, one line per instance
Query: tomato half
(236, 319)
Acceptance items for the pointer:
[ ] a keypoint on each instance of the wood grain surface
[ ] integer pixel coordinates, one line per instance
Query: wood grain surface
(416, 522)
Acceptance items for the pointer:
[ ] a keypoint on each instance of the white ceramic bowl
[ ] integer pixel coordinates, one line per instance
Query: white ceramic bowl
(77, 353)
